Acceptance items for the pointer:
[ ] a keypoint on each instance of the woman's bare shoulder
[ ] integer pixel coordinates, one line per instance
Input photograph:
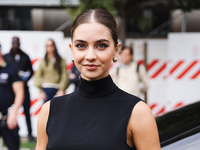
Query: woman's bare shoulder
(141, 107)
(143, 127)
(142, 113)
(42, 137)
(44, 112)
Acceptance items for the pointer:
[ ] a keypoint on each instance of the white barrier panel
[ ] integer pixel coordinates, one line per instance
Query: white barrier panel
(173, 68)
(183, 68)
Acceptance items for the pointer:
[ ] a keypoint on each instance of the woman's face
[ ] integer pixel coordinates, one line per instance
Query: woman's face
(50, 48)
(93, 50)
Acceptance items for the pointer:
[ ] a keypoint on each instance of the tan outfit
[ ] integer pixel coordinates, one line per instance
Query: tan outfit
(48, 77)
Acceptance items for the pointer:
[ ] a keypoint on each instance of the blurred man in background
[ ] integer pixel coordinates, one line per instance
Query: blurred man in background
(17, 57)
(129, 75)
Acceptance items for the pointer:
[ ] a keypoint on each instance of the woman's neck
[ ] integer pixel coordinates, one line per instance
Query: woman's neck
(96, 88)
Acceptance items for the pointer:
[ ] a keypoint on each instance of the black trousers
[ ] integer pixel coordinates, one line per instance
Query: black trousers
(26, 106)
(11, 138)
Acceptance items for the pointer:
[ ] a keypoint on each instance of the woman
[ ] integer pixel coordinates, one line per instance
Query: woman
(98, 115)
(51, 77)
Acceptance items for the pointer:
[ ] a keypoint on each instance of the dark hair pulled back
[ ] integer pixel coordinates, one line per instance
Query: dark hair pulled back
(99, 15)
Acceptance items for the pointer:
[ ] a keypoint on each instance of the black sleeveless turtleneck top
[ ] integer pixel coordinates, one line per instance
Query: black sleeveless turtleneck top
(94, 117)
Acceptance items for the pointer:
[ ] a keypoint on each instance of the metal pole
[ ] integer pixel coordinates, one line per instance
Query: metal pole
(145, 64)
(183, 24)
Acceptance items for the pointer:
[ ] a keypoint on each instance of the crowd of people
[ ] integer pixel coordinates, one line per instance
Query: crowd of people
(103, 112)
(16, 70)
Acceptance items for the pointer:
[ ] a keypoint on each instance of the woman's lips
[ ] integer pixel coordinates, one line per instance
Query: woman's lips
(91, 67)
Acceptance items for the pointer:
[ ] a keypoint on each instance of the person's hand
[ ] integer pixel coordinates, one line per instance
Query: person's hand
(42, 95)
(12, 120)
(60, 93)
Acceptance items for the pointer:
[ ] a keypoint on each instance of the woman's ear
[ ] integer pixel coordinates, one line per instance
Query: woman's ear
(117, 49)
(70, 46)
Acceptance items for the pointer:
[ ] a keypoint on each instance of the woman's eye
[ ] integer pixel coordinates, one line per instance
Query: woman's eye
(102, 46)
(80, 46)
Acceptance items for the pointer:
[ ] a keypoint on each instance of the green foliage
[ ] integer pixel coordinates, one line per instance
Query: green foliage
(143, 19)
(144, 22)
(27, 144)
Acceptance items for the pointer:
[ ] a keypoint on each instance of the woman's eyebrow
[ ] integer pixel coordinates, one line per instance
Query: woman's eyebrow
(98, 41)
(102, 40)
(82, 41)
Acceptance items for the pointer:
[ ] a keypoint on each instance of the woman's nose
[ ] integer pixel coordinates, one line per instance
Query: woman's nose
(91, 56)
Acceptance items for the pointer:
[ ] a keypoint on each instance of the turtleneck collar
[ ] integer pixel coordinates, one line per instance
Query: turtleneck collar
(96, 88)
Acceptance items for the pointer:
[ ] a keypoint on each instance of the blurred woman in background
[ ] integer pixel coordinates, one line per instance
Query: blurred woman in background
(51, 77)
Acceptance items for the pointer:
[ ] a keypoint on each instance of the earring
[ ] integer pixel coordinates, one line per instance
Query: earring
(73, 60)
(115, 59)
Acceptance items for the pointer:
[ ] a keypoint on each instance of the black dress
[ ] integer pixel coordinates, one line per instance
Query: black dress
(94, 117)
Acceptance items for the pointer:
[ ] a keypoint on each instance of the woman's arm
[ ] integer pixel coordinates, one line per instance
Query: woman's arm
(42, 137)
(143, 128)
